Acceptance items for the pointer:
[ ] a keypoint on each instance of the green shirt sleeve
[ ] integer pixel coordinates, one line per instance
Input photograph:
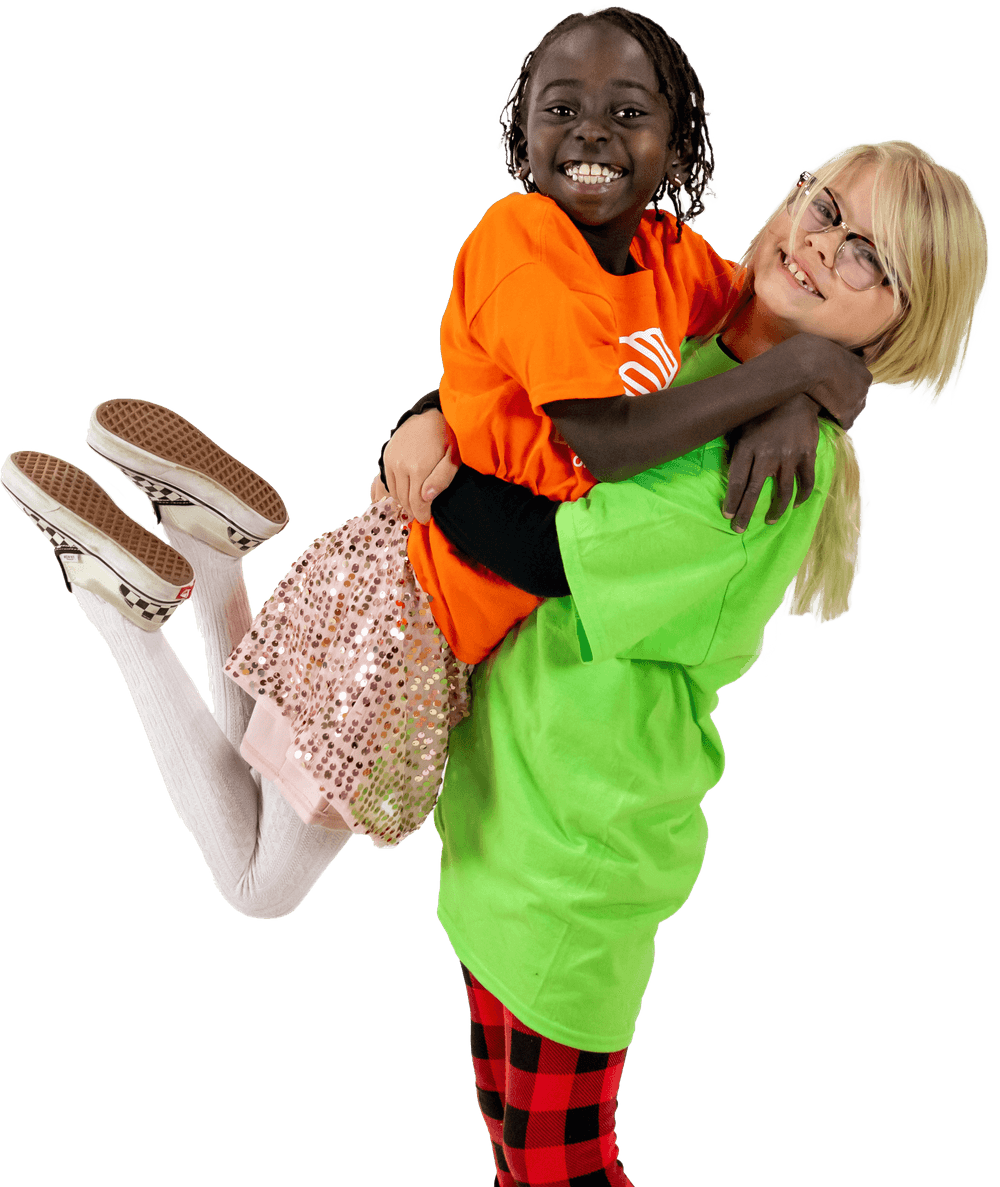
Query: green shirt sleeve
(656, 572)
(636, 561)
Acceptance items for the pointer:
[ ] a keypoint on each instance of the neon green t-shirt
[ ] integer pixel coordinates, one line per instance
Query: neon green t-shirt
(570, 814)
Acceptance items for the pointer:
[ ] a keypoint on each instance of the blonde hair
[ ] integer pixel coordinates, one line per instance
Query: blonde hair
(824, 580)
(932, 239)
(931, 236)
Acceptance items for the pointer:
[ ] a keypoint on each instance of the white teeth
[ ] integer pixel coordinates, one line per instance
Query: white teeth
(589, 174)
(800, 276)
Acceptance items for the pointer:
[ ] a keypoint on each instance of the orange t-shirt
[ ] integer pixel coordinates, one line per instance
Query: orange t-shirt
(534, 318)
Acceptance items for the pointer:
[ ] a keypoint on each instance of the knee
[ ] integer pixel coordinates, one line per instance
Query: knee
(257, 906)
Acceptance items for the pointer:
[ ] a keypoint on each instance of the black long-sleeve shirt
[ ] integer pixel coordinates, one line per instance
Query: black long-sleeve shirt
(498, 524)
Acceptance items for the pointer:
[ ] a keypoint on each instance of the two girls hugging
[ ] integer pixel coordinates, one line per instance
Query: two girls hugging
(600, 556)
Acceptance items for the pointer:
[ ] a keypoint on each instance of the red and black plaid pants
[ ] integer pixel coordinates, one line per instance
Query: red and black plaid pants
(549, 1109)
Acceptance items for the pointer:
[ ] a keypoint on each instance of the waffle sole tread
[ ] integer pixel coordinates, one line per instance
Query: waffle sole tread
(166, 434)
(79, 493)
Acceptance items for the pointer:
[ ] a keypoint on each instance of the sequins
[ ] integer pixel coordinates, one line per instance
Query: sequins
(348, 649)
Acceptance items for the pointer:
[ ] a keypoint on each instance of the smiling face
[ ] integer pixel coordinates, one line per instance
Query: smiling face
(796, 284)
(598, 130)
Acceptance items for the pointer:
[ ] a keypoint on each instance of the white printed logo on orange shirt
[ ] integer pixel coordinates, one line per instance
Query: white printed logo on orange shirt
(658, 370)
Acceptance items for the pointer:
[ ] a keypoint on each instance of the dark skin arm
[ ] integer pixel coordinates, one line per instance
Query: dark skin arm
(780, 443)
(621, 436)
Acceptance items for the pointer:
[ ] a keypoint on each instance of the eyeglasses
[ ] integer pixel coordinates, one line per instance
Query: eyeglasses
(857, 261)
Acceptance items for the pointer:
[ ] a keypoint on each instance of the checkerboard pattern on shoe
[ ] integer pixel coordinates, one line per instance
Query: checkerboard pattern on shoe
(549, 1109)
(96, 544)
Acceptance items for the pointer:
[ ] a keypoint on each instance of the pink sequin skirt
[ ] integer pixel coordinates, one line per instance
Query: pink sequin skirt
(356, 688)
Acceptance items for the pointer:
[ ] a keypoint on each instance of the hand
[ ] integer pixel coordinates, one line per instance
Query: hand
(420, 460)
(836, 377)
(781, 445)
(378, 491)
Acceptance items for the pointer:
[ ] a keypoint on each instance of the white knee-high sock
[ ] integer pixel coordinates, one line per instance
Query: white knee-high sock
(262, 856)
(222, 612)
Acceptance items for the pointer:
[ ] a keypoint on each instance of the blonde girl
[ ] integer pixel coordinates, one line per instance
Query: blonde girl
(570, 816)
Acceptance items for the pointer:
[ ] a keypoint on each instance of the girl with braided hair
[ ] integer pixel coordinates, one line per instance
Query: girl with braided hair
(567, 301)
(562, 298)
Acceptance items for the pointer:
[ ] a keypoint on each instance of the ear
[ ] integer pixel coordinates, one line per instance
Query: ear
(679, 168)
(520, 145)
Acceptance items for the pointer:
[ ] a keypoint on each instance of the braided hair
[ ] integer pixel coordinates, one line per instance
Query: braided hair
(678, 83)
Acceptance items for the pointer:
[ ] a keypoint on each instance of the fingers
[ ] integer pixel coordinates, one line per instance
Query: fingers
(400, 488)
(408, 486)
(779, 445)
(421, 510)
(739, 473)
(858, 410)
(414, 498)
(390, 482)
(438, 480)
(857, 405)
(748, 503)
(784, 488)
(413, 453)
(805, 475)
(421, 497)
(378, 490)
(747, 476)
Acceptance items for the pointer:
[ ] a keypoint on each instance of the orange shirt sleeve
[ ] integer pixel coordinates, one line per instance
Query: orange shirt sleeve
(554, 342)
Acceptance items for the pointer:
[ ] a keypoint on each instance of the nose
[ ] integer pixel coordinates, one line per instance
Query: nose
(592, 128)
(827, 243)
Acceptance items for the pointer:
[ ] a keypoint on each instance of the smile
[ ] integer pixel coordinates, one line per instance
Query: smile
(800, 276)
(586, 174)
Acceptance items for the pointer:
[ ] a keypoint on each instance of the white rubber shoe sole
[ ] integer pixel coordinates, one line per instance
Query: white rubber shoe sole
(98, 547)
(193, 484)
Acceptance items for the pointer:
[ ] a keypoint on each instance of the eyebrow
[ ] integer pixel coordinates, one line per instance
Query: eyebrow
(625, 83)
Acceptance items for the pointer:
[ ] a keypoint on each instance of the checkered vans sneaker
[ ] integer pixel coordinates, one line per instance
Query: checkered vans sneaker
(193, 484)
(97, 546)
